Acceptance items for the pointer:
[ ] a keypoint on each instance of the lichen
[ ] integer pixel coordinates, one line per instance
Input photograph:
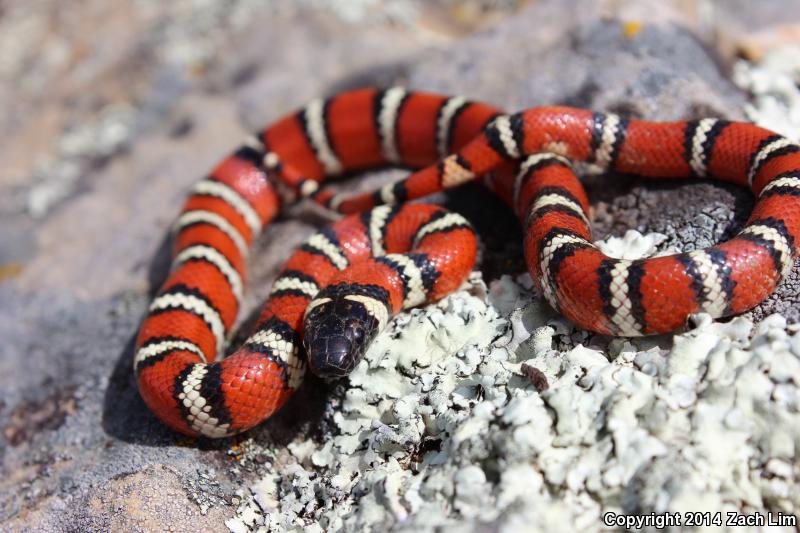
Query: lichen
(441, 426)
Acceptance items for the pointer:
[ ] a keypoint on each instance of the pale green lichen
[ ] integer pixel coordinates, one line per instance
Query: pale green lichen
(441, 428)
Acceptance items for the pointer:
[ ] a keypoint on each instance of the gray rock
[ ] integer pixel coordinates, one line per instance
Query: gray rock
(79, 449)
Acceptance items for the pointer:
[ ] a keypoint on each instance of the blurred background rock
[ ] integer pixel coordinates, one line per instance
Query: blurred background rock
(81, 81)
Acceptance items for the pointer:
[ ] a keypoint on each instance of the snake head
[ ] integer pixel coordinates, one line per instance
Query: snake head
(338, 329)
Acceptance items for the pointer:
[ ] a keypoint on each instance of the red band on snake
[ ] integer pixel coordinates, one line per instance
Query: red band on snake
(339, 289)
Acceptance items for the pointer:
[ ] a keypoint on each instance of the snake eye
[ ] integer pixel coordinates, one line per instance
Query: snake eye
(356, 329)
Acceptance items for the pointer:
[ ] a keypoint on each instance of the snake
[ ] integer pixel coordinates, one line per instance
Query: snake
(339, 289)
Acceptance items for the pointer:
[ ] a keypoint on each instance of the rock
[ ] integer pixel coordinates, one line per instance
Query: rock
(463, 427)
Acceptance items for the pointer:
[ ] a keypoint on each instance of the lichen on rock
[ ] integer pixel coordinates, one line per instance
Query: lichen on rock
(704, 421)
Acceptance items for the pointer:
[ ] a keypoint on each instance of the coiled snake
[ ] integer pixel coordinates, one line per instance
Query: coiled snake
(337, 291)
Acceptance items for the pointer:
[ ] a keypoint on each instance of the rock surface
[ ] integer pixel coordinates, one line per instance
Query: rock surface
(130, 106)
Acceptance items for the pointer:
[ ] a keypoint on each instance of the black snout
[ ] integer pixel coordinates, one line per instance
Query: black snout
(329, 356)
(336, 335)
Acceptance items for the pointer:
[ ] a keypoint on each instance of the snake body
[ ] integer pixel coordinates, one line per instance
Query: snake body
(338, 290)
